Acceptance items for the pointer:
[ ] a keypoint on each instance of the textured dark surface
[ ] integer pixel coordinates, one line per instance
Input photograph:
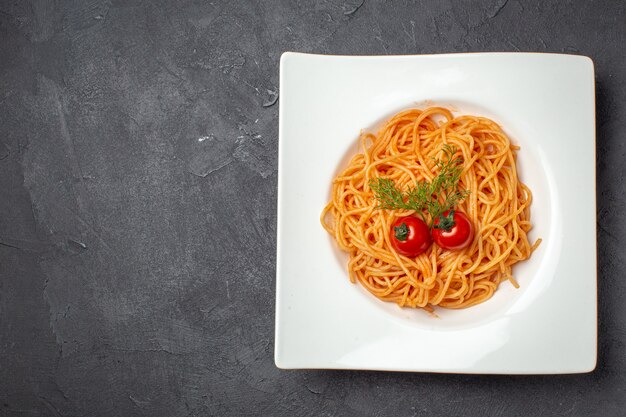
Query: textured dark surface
(138, 158)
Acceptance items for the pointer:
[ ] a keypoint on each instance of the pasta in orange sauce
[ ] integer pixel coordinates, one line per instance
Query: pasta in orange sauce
(498, 204)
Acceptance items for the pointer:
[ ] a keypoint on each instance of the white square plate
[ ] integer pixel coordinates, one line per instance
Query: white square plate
(545, 103)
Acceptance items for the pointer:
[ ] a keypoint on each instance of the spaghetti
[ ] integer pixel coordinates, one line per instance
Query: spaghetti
(498, 205)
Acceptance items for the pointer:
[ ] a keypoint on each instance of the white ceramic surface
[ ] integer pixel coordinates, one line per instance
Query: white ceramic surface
(546, 104)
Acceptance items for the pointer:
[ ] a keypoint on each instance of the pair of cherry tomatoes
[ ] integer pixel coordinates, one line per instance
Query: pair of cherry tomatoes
(410, 236)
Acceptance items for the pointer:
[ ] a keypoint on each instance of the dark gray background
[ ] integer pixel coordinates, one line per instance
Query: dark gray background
(137, 263)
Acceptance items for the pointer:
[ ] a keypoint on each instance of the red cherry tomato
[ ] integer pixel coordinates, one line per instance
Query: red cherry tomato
(410, 236)
(453, 230)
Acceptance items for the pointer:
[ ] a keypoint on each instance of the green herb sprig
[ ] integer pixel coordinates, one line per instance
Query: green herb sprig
(434, 197)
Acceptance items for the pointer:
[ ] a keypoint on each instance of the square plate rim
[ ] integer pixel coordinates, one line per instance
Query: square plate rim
(576, 60)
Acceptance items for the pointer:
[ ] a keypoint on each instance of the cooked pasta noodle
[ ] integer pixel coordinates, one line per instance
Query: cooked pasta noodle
(498, 205)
